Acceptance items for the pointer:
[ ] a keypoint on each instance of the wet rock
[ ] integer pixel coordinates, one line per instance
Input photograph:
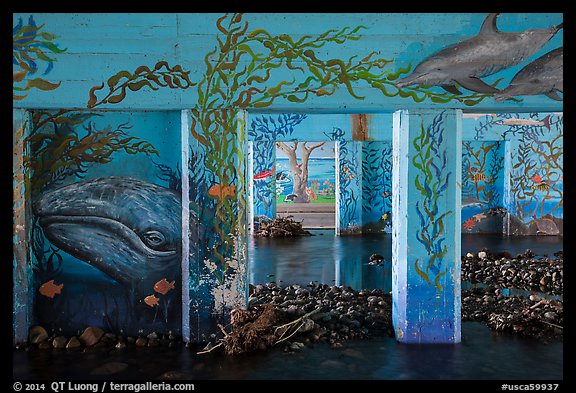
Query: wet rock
(37, 334)
(110, 368)
(153, 342)
(91, 336)
(120, 345)
(307, 326)
(550, 315)
(59, 342)
(296, 346)
(152, 336)
(131, 340)
(45, 345)
(482, 254)
(141, 341)
(73, 343)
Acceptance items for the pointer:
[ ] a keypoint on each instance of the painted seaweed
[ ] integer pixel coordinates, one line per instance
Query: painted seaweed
(431, 182)
(30, 46)
(377, 181)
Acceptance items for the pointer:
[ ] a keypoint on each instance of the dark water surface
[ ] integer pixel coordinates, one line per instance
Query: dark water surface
(325, 258)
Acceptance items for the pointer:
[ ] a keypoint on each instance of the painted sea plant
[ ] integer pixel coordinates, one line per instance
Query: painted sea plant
(377, 177)
(431, 182)
(482, 166)
(348, 199)
(31, 46)
(264, 131)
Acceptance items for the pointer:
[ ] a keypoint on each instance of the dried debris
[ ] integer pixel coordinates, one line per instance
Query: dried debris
(281, 227)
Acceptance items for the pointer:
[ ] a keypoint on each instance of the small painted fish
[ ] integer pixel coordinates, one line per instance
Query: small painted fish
(220, 191)
(264, 174)
(163, 286)
(151, 301)
(384, 217)
(479, 217)
(536, 179)
(479, 176)
(521, 122)
(49, 289)
(542, 186)
(386, 194)
(469, 223)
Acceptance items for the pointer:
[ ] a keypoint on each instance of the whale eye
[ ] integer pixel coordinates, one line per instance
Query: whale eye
(153, 238)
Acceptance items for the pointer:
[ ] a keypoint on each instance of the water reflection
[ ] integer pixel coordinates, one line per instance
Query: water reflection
(343, 260)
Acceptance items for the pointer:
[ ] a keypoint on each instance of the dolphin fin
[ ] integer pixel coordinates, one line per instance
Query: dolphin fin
(489, 24)
(554, 96)
(451, 89)
(477, 85)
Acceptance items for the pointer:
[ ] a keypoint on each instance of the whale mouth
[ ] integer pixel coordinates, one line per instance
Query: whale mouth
(106, 244)
(107, 224)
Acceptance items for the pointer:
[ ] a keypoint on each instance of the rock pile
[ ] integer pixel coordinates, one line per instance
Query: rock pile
(531, 316)
(524, 271)
(94, 337)
(296, 316)
(281, 227)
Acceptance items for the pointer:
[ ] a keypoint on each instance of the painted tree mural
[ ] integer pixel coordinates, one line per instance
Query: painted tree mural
(299, 170)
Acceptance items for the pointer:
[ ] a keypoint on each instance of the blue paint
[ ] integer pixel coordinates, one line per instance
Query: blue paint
(376, 186)
(426, 227)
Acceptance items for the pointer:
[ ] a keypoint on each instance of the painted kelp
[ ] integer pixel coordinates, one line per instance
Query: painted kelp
(431, 182)
(376, 187)
(30, 47)
(264, 131)
(82, 259)
(482, 187)
(535, 193)
(349, 183)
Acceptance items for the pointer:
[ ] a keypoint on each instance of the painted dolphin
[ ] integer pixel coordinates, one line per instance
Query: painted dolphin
(545, 75)
(471, 201)
(484, 54)
(127, 228)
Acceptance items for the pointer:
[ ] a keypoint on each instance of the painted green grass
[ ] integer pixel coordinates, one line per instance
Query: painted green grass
(321, 199)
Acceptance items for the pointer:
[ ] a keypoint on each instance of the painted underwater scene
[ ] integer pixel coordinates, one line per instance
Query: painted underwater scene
(106, 234)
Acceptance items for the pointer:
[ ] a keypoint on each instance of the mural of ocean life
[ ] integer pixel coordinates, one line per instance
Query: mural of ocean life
(122, 118)
(533, 192)
(544, 75)
(483, 187)
(376, 186)
(264, 131)
(487, 53)
(100, 244)
(349, 183)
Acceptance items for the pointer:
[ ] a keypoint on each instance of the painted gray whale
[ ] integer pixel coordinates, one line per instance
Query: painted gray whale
(545, 75)
(484, 54)
(127, 228)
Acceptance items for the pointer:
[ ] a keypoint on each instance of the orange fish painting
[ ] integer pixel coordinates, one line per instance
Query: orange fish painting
(536, 179)
(163, 286)
(220, 191)
(151, 300)
(49, 289)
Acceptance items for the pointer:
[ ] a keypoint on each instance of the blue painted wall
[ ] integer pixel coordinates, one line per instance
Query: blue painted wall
(216, 68)
(72, 286)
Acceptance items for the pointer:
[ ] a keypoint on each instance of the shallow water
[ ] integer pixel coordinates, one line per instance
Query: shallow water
(482, 354)
(343, 260)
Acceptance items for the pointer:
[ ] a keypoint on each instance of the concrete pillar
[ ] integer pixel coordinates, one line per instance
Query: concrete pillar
(426, 226)
(349, 186)
(217, 220)
(21, 271)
